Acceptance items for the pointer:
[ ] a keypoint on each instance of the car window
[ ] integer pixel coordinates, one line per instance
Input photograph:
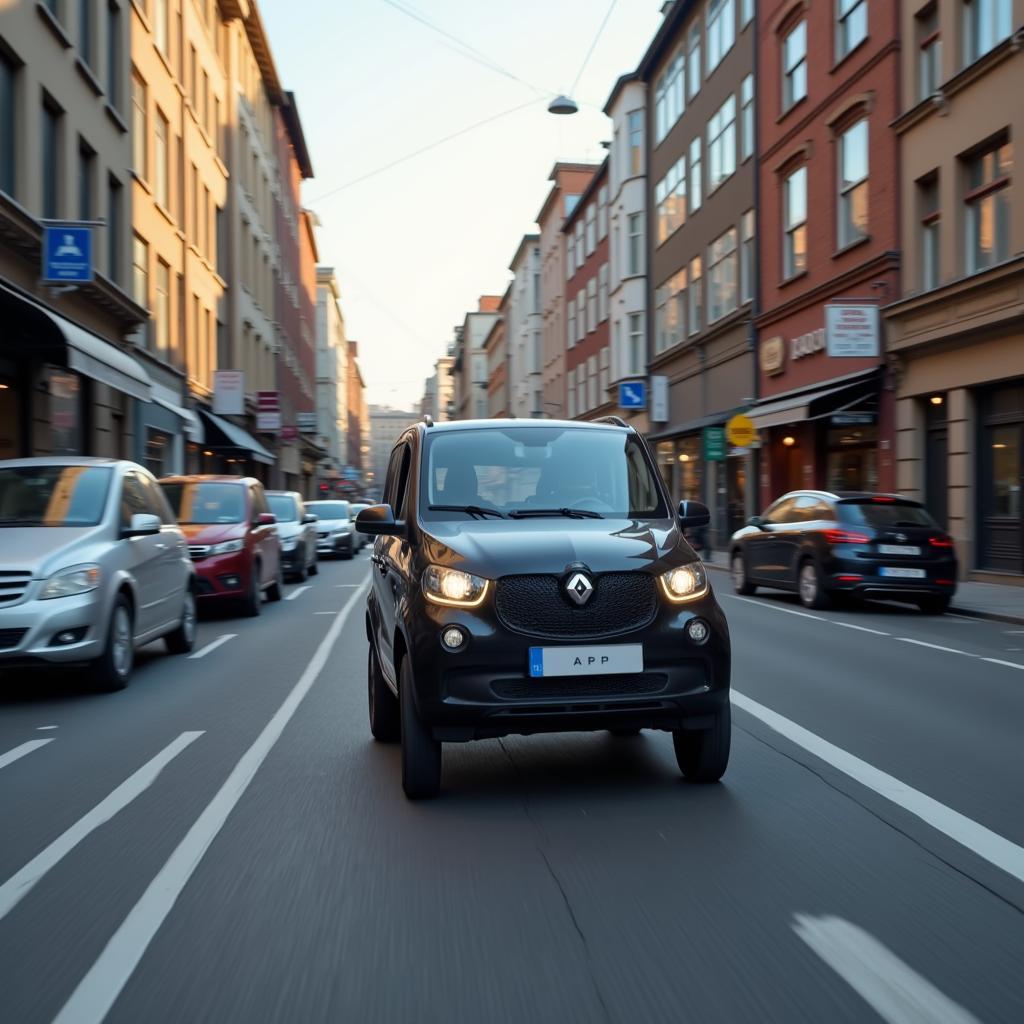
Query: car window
(402, 483)
(391, 481)
(156, 503)
(205, 502)
(285, 507)
(133, 499)
(809, 509)
(53, 495)
(780, 512)
(330, 509)
(883, 514)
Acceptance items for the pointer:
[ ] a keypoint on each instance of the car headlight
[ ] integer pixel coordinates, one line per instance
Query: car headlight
(289, 544)
(78, 579)
(227, 547)
(685, 583)
(453, 587)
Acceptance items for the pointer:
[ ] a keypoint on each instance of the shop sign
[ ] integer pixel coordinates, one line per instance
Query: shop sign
(773, 356)
(808, 344)
(852, 419)
(714, 444)
(659, 399)
(67, 253)
(289, 433)
(306, 422)
(268, 411)
(740, 431)
(633, 394)
(228, 392)
(852, 330)
(268, 422)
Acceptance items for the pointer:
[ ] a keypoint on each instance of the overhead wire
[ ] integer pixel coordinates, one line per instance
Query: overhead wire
(593, 46)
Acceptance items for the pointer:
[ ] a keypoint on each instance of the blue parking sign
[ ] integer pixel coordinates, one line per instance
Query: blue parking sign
(633, 394)
(67, 254)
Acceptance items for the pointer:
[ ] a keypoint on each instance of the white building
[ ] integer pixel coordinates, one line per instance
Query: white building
(386, 425)
(332, 362)
(524, 331)
(477, 325)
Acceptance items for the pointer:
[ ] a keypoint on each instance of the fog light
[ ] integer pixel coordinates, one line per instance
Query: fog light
(453, 638)
(698, 631)
(68, 636)
(231, 582)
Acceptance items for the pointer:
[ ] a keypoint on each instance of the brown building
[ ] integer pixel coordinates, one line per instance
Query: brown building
(828, 93)
(587, 334)
(357, 436)
(956, 338)
(700, 200)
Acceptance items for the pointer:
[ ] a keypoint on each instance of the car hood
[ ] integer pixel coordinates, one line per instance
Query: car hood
(44, 550)
(213, 533)
(323, 525)
(288, 530)
(503, 547)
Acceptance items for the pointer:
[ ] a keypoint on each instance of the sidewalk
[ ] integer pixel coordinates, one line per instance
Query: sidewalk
(978, 600)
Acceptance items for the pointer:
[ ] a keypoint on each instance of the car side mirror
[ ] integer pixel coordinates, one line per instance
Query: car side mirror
(379, 521)
(757, 522)
(309, 517)
(693, 514)
(266, 519)
(143, 525)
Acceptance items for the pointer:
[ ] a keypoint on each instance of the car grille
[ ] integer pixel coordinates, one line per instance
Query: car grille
(11, 638)
(539, 606)
(198, 551)
(640, 683)
(13, 586)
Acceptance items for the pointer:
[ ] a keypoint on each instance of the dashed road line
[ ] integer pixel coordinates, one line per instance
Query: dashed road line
(1008, 664)
(934, 647)
(212, 646)
(295, 593)
(18, 885)
(862, 629)
(776, 608)
(19, 752)
(45, 728)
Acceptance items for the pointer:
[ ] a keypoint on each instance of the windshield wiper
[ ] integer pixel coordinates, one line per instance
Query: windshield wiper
(474, 510)
(569, 513)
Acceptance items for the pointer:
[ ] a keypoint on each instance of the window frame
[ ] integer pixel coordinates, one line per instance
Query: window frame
(847, 189)
(973, 197)
(789, 97)
(929, 231)
(695, 290)
(695, 184)
(721, 130)
(843, 20)
(747, 129)
(791, 228)
(720, 27)
(723, 252)
(929, 52)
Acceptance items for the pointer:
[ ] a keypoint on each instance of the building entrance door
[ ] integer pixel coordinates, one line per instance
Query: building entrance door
(1002, 480)
(936, 464)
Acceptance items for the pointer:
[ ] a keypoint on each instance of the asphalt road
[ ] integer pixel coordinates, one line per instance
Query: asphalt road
(223, 842)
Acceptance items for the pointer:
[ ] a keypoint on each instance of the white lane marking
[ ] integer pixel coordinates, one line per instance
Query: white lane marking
(863, 629)
(982, 841)
(934, 647)
(213, 645)
(98, 990)
(776, 608)
(44, 728)
(335, 612)
(347, 586)
(295, 593)
(20, 883)
(963, 618)
(1015, 632)
(1008, 664)
(896, 992)
(19, 752)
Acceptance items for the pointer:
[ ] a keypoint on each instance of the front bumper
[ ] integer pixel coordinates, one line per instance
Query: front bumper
(28, 629)
(294, 560)
(340, 545)
(223, 576)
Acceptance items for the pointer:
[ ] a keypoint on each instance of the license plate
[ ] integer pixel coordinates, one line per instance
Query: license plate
(898, 549)
(903, 574)
(586, 661)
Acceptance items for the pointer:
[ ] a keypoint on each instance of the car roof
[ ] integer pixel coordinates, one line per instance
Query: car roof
(846, 495)
(197, 478)
(449, 426)
(284, 494)
(66, 460)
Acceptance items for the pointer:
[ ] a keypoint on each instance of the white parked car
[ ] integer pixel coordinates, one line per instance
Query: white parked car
(335, 529)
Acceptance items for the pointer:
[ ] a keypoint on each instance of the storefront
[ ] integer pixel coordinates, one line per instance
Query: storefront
(224, 447)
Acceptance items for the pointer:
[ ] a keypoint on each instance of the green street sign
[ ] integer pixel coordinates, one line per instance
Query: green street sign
(714, 444)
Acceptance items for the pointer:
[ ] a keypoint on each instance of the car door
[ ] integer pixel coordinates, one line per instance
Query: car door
(146, 555)
(385, 576)
(762, 548)
(172, 567)
(792, 535)
(267, 544)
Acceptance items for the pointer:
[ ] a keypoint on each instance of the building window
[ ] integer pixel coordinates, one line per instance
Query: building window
(696, 289)
(723, 293)
(140, 131)
(86, 179)
(669, 97)
(113, 54)
(746, 12)
(140, 272)
(635, 241)
(747, 118)
(114, 215)
(570, 255)
(670, 200)
(580, 243)
(161, 26)
(928, 204)
(670, 312)
(693, 61)
(592, 305)
(602, 293)
(988, 206)
(590, 218)
(571, 332)
(722, 144)
(85, 11)
(986, 24)
(721, 30)
(853, 184)
(603, 372)
(161, 171)
(794, 66)
(571, 392)
(602, 213)
(581, 314)
(636, 143)
(8, 134)
(51, 159)
(795, 220)
(851, 25)
(635, 351)
(592, 399)
(696, 186)
(162, 310)
(748, 256)
(929, 52)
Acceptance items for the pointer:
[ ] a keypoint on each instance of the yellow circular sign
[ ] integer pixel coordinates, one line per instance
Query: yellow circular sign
(740, 431)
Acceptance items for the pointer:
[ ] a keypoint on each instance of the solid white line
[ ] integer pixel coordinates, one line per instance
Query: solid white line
(863, 629)
(934, 647)
(203, 652)
(44, 728)
(347, 586)
(1008, 664)
(19, 752)
(1015, 632)
(984, 842)
(896, 992)
(776, 608)
(19, 884)
(963, 618)
(335, 612)
(295, 593)
(98, 990)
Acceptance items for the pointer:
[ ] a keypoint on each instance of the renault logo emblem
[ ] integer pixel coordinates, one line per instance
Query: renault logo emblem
(579, 588)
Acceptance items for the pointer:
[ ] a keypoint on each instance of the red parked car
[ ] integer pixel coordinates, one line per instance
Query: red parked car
(232, 538)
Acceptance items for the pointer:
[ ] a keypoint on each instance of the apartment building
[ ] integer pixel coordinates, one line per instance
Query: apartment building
(496, 352)
(439, 391)
(470, 366)
(386, 424)
(587, 335)
(358, 430)
(332, 389)
(524, 330)
(69, 376)
(956, 337)
(701, 181)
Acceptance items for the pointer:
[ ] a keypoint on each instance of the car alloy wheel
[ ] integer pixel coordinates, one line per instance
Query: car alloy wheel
(121, 641)
(812, 593)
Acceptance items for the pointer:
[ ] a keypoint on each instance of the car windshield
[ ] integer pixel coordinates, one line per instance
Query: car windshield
(539, 470)
(882, 514)
(329, 509)
(53, 495)
(283, 506)
(206, 503)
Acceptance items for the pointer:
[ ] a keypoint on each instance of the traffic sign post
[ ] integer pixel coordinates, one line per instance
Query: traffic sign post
(67, 254)
(633, 394)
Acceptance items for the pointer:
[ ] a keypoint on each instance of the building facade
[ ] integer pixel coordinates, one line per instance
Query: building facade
(587, 334)
(496, 352)
(828, 91)
(357, 433)
(332, 388)
(385, 426)
(524, 331)
(956, 338)
(471, 360)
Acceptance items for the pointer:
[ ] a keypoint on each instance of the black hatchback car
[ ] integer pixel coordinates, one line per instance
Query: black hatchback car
(824, 545)
(530, 576)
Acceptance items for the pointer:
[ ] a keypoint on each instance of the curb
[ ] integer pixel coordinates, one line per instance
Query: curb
(957, 609)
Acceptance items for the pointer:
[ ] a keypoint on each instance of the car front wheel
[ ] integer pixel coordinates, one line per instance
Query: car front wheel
(421, 753)
(703, 754)
(276, 589)
(183, 639)
(738, 571)
(252, 603)
(812, 592)
(112, 670)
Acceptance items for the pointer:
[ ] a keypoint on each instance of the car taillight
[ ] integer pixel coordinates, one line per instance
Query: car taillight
(845, 537)
(883, 499)
(941, 542)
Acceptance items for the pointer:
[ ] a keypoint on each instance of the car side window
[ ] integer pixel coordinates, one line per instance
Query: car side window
(402, 483)
(259, 501)
(807, 509)
(391, 482)
(780, 512)
(133, 499)
(155, 500)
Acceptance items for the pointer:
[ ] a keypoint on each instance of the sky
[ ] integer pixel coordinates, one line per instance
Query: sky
(415, 245)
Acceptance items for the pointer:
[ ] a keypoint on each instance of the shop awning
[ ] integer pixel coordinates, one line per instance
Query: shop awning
(813, 404)
(85, 352)
(171, 401)
(235, 438)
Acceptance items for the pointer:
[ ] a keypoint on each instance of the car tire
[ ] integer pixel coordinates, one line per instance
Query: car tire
(809, 586)
(421, 753)
(937, 604)
(347, 555)
(183, 638)
(252, 603)
(112, 670)
(385, 721)
(314, 566)
(276, 589)
(703, 754)
(300, 574)
(738, 570)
